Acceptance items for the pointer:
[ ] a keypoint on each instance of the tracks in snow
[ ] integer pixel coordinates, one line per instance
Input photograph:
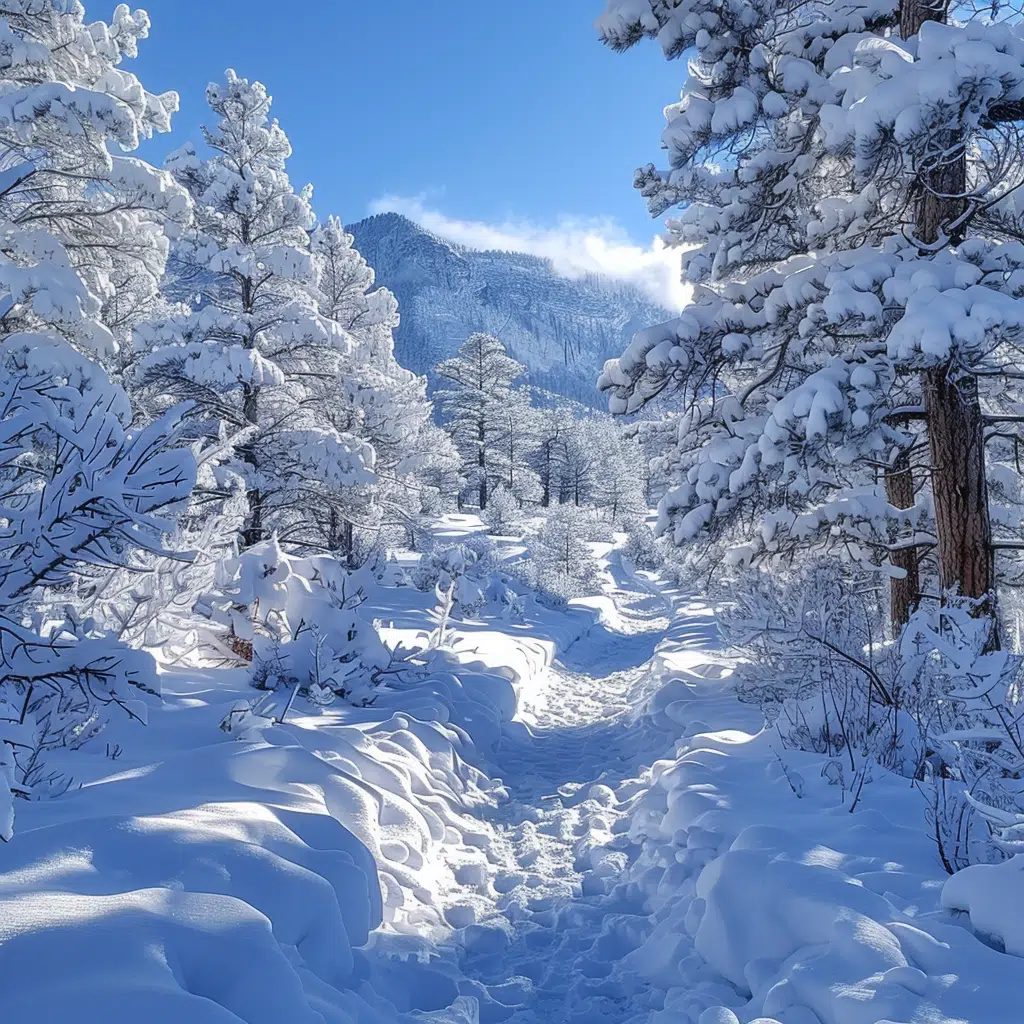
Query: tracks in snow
(547, 952)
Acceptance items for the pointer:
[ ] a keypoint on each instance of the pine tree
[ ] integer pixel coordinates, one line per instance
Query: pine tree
(373, 397)
(554, 428)
(84, 242)
(254, 349)
(856, 299)
(616, 487)
(473, 402)
(88, 486)
(515, 446)
(565, 565)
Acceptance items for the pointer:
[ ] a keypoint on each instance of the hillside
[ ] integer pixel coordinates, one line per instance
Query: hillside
(562, 329)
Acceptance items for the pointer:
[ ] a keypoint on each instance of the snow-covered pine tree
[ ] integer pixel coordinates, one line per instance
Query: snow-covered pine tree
(254, 349)
(515, 447)
(85, 485)
(617, 486)
(564, 564)
(84, 242)
(477, 389)
(554, 427)
(847, 176)
(378, 399)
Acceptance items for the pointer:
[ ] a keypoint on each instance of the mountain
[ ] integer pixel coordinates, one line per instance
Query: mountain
(563, 329)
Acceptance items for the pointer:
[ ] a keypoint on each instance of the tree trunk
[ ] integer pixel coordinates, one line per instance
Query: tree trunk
(332, 531)
(952, 408)
(960, 490)
(546, 473)
(253, 531)
(903, 593)
(481, 461)
(914, 13)
(349, 545)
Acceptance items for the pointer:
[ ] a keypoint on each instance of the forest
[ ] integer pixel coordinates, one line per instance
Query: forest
(341, 693)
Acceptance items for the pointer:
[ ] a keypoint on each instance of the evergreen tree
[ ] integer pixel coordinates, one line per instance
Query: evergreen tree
(616, 486)
(253, 350)
(553, 430)
(373, 397)
(855, 270)
(565, 565)
(515, 447)
(87, 485)
(477, 391)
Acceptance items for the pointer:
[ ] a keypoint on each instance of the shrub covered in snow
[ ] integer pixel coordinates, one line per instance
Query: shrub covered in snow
(642, 547)
(297, 621)
(458, 575)
(971, 712)
(812, 659)
(503, 515)
(83, 495)
(562, 564)
(85, 482)
(940, 707)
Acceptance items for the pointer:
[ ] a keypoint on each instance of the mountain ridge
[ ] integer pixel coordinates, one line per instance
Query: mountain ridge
(561, 328)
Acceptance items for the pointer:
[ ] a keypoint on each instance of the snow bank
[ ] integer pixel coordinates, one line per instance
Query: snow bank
(771, 901)
(992, 897)
(302, 871)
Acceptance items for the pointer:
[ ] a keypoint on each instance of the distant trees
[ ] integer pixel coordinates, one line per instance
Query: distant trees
(564, 564)
(542, 456)
(474, 400)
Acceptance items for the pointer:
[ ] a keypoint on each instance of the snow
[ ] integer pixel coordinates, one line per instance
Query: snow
(992, 896)
(566, 818)
(561, 328)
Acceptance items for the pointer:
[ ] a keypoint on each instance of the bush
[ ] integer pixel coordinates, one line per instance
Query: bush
(84, 495)
(972, 712)
(297, 621)
(642, 548)
(938, 707)
(503, 515)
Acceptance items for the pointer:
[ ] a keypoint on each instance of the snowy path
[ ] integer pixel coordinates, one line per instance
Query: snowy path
(547, 949)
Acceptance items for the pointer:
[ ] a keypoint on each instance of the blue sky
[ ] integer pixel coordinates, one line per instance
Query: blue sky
(496, 122)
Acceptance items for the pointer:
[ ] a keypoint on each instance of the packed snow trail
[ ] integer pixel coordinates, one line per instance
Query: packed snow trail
(548, 949)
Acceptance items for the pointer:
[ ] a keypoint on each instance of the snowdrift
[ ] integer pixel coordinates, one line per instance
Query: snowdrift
(771, 901)
(303, 871)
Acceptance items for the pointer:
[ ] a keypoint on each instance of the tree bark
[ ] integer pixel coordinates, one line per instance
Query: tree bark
(332, 531)
(903, 593)
(481, 461)
(253, 531)
(914, 13)
(545, 476)
(960, 490)
(349, 544)
(952, 408)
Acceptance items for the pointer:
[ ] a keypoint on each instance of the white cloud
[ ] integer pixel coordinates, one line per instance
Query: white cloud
(574, 247)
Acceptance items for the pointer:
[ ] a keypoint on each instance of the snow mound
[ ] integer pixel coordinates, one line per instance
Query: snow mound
(772, 901)
(233, 879)
(992, 896)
